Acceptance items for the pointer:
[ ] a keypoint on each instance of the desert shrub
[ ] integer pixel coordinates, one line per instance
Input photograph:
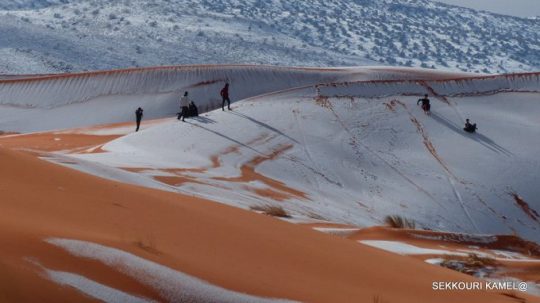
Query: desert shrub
(272, 210)
(473, 264)
(397, 221)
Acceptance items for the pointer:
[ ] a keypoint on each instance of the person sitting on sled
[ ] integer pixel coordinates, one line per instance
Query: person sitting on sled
(470, 128)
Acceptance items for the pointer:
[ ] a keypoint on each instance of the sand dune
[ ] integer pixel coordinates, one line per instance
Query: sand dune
(339, 156)
(224, 246)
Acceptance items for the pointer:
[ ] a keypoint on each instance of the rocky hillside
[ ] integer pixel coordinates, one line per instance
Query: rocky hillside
(63, 35)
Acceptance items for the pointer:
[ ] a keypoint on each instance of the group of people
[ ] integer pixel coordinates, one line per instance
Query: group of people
(426, 106)
(188, 107)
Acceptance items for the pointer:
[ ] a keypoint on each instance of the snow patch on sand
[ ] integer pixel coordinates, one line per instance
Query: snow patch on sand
(173, 285)
(455, 237)
(93, 288)
(342, 232)
(408, 249)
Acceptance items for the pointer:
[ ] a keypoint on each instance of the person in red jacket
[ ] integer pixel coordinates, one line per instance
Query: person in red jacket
(225, 96)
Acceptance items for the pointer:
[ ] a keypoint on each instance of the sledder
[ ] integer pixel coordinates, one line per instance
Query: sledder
(425, 104)
(470, 128)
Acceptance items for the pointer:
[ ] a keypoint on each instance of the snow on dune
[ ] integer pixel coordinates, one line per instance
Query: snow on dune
(318, 141)
(43, 92)
(342, 232)
(93, 289)
(171, 284)
(408, 249)
(106, 171)
(113, 96)
(71, 100)
(527, 82)
(403, 248)
(354, 159)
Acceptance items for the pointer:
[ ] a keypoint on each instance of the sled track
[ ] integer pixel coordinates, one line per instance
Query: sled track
(305, 147)
(427, 141)
(451, 176)
(328, 104)
(458, 196)
(431, 148)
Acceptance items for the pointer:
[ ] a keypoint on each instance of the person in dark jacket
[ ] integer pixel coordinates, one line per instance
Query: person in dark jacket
(225, 97)
(470, 128)
(193, 110)
(184, 105)
(138, 117)
(425, 104)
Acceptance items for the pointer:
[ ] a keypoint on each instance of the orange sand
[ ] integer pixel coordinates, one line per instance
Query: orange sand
(249, 174)
(50, 141)
(229, 247)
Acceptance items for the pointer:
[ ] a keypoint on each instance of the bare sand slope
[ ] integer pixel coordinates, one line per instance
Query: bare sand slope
(228, 247)
(73, 140)
(50, 141)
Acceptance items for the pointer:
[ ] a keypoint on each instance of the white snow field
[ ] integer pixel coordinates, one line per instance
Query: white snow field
(339, 148)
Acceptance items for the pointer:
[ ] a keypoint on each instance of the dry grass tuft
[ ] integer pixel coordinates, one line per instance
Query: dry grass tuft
(397, 221)
(316, 216)
(323, 101)
(271, 210)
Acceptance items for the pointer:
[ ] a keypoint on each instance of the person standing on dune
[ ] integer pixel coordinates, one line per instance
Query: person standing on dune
(184, 104)
(225, 97)
(138, 117)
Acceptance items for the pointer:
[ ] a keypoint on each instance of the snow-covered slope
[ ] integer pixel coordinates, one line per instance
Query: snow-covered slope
(37, 103)
(48, 36)
(347, 151)
(442, 88)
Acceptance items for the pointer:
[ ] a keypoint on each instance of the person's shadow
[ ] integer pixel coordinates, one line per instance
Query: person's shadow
(262, 124)
(202, 119)
(224, 136)
(485, 141)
